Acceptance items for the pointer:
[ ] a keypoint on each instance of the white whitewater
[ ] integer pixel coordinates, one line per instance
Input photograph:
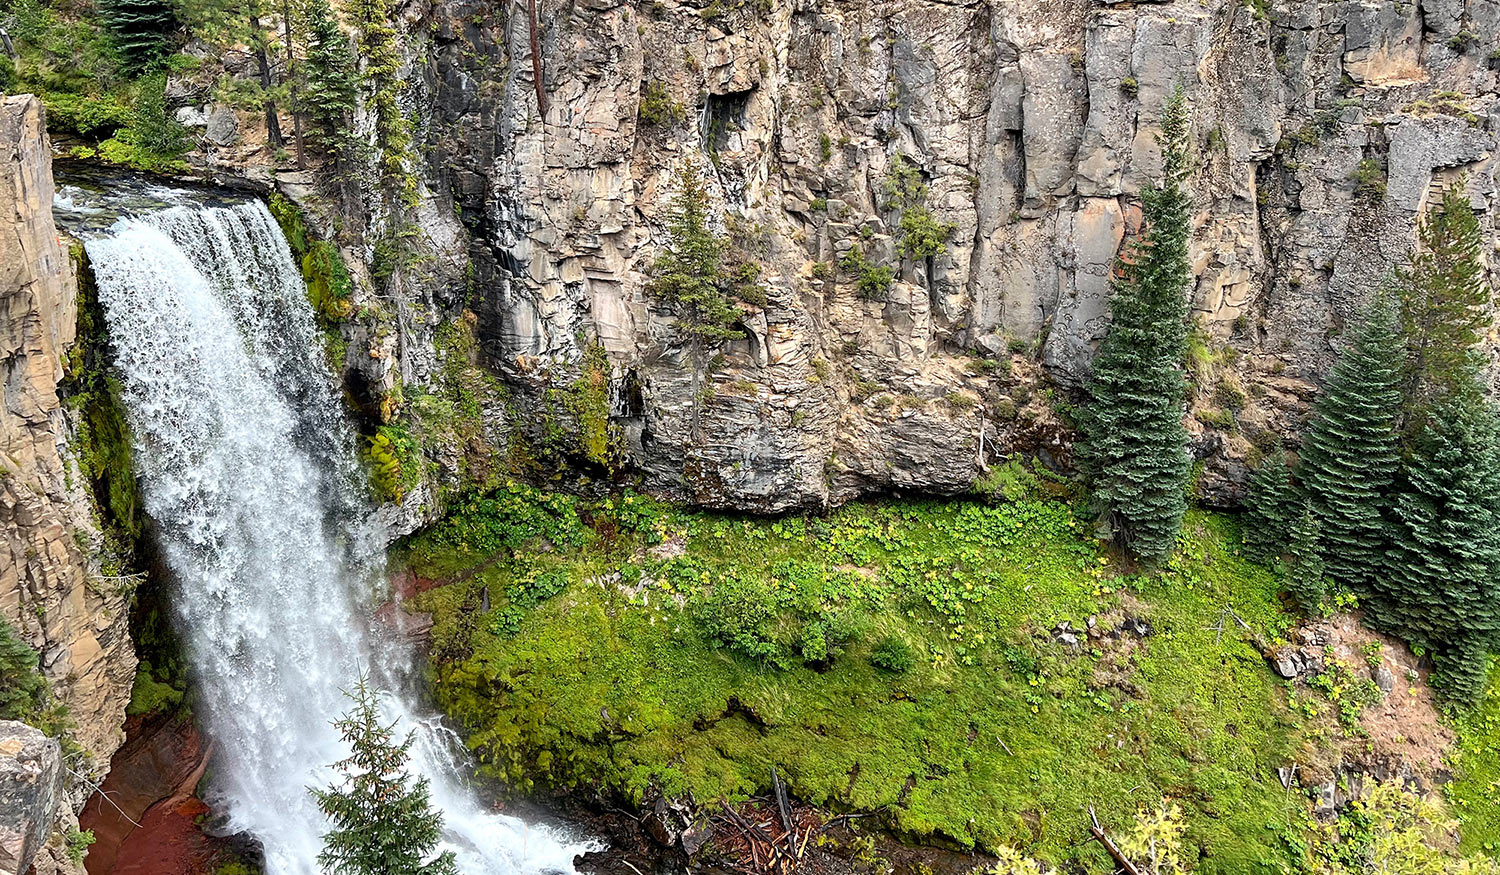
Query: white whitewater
(250, 475)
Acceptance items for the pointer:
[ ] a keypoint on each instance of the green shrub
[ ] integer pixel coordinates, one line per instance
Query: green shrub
(741, 616)
(1215, 417)
(894, 655)
(153, 141)
(87, 115)
(1462, 41)
(1010, 480)
(329, 286)
(22, 688)
(395, 462)
(922, 236)
(1369, 181)
(150, 696)
(78, 841)
(657, 106)
(871, 282)
(524, 595)
(1230, 395)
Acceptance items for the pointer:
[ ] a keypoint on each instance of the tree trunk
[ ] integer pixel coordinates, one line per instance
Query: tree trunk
(536, 62)
(286, 29)
(263, 60)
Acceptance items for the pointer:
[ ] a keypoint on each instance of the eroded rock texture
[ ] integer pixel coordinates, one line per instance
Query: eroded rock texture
(31, 788)
(75, 619)
(1323, 130)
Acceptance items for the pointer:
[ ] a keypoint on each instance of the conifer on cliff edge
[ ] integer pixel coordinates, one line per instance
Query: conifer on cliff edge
(1134, 443)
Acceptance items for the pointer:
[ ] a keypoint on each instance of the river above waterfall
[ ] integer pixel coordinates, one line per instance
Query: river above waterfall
(249, 471)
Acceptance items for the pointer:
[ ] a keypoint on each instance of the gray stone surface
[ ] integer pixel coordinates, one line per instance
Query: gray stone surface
(31, 788)
(1034, 126)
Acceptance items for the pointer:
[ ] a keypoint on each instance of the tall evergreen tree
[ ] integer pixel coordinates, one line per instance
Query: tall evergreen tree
(1304, 567)
(700, 278)
(1351, 450)
(689, 274)
(1441, 587)
(330, 93)
(1134, 444)
(1270, 508)
(1445, 301)
(140, 29)
(380, 52)
(383, 821)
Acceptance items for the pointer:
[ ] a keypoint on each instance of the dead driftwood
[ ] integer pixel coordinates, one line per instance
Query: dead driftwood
(776, 843)
(1114, 850)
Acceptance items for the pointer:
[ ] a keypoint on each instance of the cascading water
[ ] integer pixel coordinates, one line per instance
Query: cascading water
(249, 473)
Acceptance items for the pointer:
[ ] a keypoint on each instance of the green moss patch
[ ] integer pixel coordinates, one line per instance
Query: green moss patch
(1475, 791)
(908, 658)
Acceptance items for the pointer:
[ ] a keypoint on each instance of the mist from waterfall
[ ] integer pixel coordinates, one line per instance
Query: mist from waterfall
(249, 472)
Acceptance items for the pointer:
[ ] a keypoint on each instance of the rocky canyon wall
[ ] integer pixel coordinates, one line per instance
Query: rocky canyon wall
(1323, 130)
(51, 589)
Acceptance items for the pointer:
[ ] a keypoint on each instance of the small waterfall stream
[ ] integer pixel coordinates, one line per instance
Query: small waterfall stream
(249, 472)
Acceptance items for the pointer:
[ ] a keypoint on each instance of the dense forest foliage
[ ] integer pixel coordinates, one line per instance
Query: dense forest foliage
(103, 71)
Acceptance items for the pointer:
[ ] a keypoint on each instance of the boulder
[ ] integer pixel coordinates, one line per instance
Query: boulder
(1288, 662)
(31, 786)
(222, 127)
(1384, 679)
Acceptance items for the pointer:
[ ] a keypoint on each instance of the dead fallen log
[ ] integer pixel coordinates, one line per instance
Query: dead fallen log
(1114, 851)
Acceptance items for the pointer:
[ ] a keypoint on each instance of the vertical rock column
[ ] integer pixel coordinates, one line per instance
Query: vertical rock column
(77, 622)
(31, 786)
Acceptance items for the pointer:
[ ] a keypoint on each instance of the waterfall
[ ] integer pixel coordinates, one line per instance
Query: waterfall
(249, 473)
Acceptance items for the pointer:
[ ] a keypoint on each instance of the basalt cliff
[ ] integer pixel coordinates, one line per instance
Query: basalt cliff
(1322, 132)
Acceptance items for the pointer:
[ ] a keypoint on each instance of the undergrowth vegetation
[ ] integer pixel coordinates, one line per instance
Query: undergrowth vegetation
(1475, 791)
(93, 83)
(976, 673)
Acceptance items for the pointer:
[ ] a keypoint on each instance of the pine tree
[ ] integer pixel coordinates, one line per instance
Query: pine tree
(330, 94)
(1444, 303)
(1134, 444)
(1269, 509)
(1351, 451)
(379, 49)
(689, 275)
(383, 822)
(700, 278)
(21, 686)
(139, 28)
(1304, 567)
(1441, 588)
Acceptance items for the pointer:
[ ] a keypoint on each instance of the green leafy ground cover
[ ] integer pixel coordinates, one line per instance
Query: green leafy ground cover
(630, 647)
(1475, 791)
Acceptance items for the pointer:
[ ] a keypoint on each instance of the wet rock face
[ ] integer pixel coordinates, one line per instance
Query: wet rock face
(77, 623)
(1323, 130)
(31, 789)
